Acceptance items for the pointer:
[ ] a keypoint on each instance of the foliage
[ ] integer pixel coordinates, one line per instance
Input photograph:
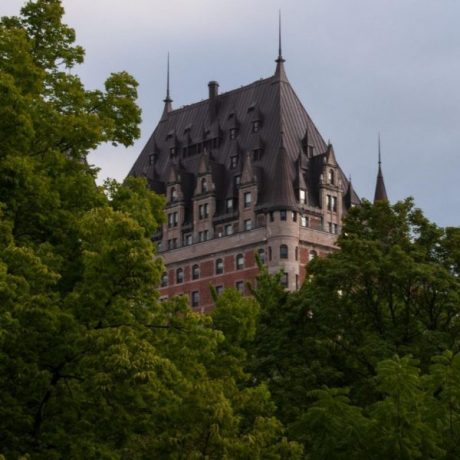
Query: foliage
(92, 365)
(329, 353)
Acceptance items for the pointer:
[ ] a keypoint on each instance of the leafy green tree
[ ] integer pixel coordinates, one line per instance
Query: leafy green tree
(92, 365)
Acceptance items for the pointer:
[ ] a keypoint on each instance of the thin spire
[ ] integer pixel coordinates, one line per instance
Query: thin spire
(380, 190)
(280, 54)
(167, 100)
(280, 74)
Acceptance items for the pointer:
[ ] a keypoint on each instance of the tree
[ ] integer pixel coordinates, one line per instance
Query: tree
(92, 365)
(392, 288)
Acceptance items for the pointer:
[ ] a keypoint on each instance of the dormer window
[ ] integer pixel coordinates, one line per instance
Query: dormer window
(173, 194)
(256, 125)
(204, 185)
(233, 161)
(172, 151)
(330, 176)
(152, 158)
(302, 196)
(257, 154)
(233, 133)
(229, 205)
(237, 181)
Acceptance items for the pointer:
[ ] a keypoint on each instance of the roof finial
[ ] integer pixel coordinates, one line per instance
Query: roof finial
(380, 190)
(167, 100)
(280, 54)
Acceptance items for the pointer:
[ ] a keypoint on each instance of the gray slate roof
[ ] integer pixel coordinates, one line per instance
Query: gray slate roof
(286, 132)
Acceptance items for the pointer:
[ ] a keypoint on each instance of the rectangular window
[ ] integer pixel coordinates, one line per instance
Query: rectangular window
(255, 126)
(329, 202)
(247, 199)
(240, 286)
(219, 290)
(229, 205)
(151, 159)
(237, 181)
(248, 224)
(233, 133)
(302, 196)
(285, 280)
(283, 215)
(195, 299)
(334, 203)
(187, 239)
(203, 211)
(294, 216)
(233, 162)
(229, 229)
(304, 221)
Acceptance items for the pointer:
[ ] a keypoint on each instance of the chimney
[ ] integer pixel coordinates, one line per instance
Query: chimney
(213, 89)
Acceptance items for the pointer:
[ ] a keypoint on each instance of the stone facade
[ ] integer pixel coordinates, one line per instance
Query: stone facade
(244, 172)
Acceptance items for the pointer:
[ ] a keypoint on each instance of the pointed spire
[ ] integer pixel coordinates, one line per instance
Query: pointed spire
(167, 100)
(380, 190)
(280, 74)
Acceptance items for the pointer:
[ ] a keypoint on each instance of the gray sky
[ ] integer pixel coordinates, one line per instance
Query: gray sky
(358, 66)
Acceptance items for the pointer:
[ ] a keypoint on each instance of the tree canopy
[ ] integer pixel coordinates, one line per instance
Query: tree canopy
(92, 365)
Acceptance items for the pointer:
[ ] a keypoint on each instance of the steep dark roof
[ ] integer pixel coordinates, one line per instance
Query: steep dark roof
(380, 191)
(283, 122)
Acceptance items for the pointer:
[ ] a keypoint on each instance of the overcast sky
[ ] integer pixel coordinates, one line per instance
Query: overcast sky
(358, 66)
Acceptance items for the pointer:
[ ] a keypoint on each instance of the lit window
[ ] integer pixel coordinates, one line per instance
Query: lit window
(219, 266)
(179, 276)
(195, 299)
(283, 215)
(229, 205)
(239, 262)
(302, 196)
(195, 272)
(248, 224)
(247, 199)
(284, 252)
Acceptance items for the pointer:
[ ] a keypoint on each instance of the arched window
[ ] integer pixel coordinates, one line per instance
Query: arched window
(284, 253)
(219, 266)
(204, 185)
(239, 262)
(330, 176)
(312, 255)
(179, 275)
(173, 194)
(164, 279)
(195, 272)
